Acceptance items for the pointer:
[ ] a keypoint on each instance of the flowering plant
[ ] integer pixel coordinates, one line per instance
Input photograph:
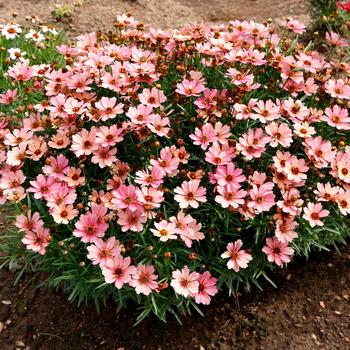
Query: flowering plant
(163, 166)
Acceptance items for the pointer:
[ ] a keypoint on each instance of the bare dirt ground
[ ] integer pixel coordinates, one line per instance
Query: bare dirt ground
(310, 310)
(100, 14)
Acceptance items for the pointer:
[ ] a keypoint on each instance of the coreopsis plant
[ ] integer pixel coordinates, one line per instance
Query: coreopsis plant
(164, 166)
(332, 21)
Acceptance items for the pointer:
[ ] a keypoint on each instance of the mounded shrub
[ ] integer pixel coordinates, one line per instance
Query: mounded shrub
(164, 166)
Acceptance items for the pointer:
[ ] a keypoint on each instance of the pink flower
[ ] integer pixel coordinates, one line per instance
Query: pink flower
(229, 174)
(187, 227)
(206, 288)
(73, 106)
(80, 82)
(118, 270)
(125, 197)
(193, 86)
(164, 230)
(338, 89)
(18, 137)
(150, 197)
(167, 162)
(223, 132)
(144, 280)
(280, 134)
(12, 181)
(131, 220)
(160, 125)
(252, 144)
(293, 77)
(266, 111)
(219, 154)
(336, 40)
(343, 201)
(239, 258)
(108, 108)
(244, 112)
(204, 136)
(190, 194)
(61, 194)
(17, 155)
(326, 192)
(102, 251)
(56, 167)
(296, 169)
(38, 240)
(285, 230)
(21, 71)
(230, 195)
(42, 186)
(277, 252)
(84, 142)
(295, 110)
(59, 141)
(104, 157)
(152, 97)
(291, 202)
(319, 151)
(8, 97)
(74, 178)
(304, 130)
(88, 228)
(64, 213)
(262, 198)
(141, 115)
(150, 177)
(313, 213)
(337, 117)
(185, 282)
(29, 222)
(240, 78)
(295, 26)
(109, 136)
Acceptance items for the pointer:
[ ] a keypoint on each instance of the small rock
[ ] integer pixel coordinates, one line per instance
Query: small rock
(322, 304)
(6, 302)
(337, 312)
(22, 307)
(20, 344)
(314, 337)
(1, 327)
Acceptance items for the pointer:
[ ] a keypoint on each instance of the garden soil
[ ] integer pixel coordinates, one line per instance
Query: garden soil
(100, 14)
(309, 310)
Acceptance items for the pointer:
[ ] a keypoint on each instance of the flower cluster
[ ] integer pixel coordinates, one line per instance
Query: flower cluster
(167, 164)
